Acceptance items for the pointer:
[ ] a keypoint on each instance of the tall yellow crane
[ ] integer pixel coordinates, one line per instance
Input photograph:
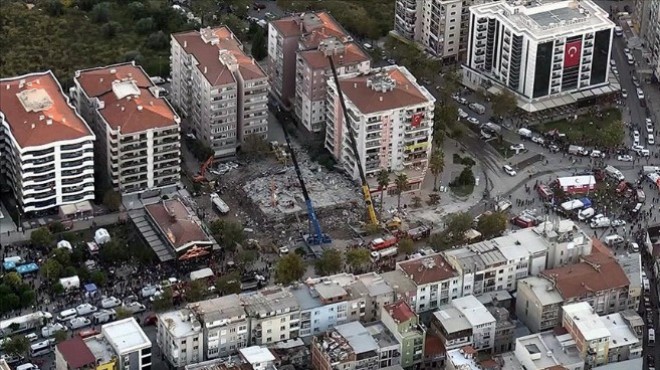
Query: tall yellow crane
(366, 193)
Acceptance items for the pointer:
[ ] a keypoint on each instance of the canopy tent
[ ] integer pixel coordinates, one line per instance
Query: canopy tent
(101, 236)
(64, 244)
(92, 247)
(90, 288)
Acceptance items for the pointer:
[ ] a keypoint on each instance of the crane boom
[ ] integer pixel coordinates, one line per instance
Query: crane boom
(317, 237)
(366, 193)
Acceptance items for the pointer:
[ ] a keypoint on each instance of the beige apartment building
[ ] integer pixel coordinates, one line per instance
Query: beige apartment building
(221, 91)
(138, 133)
(298, 47)
(274, 315)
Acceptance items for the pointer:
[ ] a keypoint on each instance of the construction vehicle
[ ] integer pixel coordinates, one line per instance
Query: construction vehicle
(316, 236)
(373, 219)
(201, 176)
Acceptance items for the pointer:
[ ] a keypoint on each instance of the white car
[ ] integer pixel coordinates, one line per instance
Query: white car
(148, 291)
(517, 147)
(612, 62)
(617, 223)
(615, 71)
(79, 322)
(462, 114)
(626, 50)
(636, 136)
(473, 120)
(538, 140)
(625, 158)
(85, 309)
(597, 154)
(640, 93)
(135, 307)
(649, 127)
(650, 139)
(635, 81)
(509, 170)
(110, 302)
(624, 93)
(50, 329)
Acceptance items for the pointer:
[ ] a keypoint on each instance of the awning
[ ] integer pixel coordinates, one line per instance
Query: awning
(72, 209)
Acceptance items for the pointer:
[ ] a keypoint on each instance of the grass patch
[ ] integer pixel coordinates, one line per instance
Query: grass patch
(596, 129)
(462, 190)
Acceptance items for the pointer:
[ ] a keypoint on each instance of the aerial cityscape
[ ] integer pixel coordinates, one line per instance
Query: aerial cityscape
(329, 184)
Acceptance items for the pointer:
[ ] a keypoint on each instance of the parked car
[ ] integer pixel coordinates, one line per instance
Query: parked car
(538, 140)
(517, 147)
(509, 170)
(462, 114)
(625, 158)
(473, 120)
(636, 136)
(624, 93)
(85, 309)
(650, 139)
(148, 291)
(50, 329)
(110, 302)
(597, 154)
(649, 127)
(135, 307)
(79, 322)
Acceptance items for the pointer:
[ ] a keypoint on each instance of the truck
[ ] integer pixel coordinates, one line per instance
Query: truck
(219, 204)
(24, 323)
(382, 243)
(572, 205)
(103, 316)
(577, 150)
(476, 107)
(419, 233)
(388, 252)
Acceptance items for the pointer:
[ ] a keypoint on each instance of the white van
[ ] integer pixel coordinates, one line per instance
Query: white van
(67, 315)
(651, 337)
(41, 348)
(32, 337)
(85, 309)
(612, 240)
(27, 366)
(630, 58)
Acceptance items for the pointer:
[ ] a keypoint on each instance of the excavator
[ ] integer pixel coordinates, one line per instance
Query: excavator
(201, 176)
(366, 193)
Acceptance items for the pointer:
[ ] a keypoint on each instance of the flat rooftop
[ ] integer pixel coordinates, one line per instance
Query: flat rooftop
(586, 321)
(269, 301)
(375, 284)
(125, 336)
(632, 267)
(452, 319)
(227, 308)
(330, 290)
(256, 355)
(562, 348)
(620, 333)
(427, 270)
(548, 18)
(38, 112)
(463, 360)
(100, 348)
(473, 310)
(179, 323)
(358, 337)
(382, 335)
(543, 290)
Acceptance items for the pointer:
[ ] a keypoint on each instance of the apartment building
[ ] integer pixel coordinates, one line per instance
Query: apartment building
(221, 91)
(47, 149)
(225, 325)
(392, 118)
(505, 337)
(404, 323)
(647, 18)
(465, 321)
(436, 282)
(322, 306)
(440, 26)
(450, 325)
(74, 354)
(293, 59)
(180, 338)
(598, 280)
(402, 286)
(547, 350)
(347, 346)
(596, 337)
(137, 131)
(548, 54)
(497, 264)
(374, 291)
(249, 358)
(129, 343)
(274, 315)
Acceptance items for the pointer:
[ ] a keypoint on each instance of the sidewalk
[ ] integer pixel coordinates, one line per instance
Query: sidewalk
(103, 220)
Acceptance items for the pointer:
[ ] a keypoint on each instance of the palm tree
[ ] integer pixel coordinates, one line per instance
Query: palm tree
(437, 165)
(383, 178)
(401, 182)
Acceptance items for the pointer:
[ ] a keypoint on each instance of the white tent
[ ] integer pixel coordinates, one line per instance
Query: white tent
(64, 244)
(72, 282)
(101, 236)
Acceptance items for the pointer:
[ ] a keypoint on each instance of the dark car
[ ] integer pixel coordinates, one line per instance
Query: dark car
(149, 320)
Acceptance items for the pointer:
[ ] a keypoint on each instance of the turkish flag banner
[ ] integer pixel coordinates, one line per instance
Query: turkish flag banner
(417, 119)
(572, 53)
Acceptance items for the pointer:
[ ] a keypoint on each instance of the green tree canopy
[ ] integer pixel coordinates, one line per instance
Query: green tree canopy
(406, 246)
(329, 263)
(17, 345)
(42, 237)
(259, 45)
(196, 291)
(112, 200)
(289, 268)
(228, 284)
(229, 233)
(436, 165)
(402, 185)
(492, 225)
(504, 103)
(357, 258)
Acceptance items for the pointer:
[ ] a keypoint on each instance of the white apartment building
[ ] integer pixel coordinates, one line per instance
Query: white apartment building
(546, 350)
(225, 325)
(480, 319)
(131, 346)
(436, 282)
(274, 315)
(322, 306)
(47, 149)
(548, 53)
(392, 118)
(440, 26)
(138, 135)
(180, 337)
(222, 91)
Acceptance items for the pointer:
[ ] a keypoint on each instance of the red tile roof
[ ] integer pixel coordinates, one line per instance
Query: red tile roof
(174, 220)
(32, 128)
(132, 114)
(400, 311)
(369, 100)
(76, 353)
(311, 27)
(428, 269)
(351, 55)
(596, 272)
(207, 54)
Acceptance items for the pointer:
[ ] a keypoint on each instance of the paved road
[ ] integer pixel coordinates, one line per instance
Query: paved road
(14, 237)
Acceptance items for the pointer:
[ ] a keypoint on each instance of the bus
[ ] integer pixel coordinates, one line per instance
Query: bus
(42, 348)
(23, 323)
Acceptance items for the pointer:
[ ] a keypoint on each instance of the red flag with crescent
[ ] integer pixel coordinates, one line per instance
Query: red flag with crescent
(417, 119)
(572, 53)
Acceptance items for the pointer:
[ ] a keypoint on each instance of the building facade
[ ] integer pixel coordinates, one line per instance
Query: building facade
(348, 346)
(137, 131)
(402, 321)
(47, 149)
(225, 325)
(222, 91)
(547, 53)
(131, 346)
(647, 18)
(392, 116)
(436, 282)
(180, 338)
(274, 315)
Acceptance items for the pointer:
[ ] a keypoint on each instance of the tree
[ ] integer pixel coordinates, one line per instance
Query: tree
(228, 284)
(416, 201)
(52, 269)
(246, 258)
(99, 278)
(60, 336)
(12, 280)
(61, 255)
(57, 288)
(123, 313)
(164, 301)
(383, 179)
(113, 252)
(145, 25)
(230, 233)
(329, 263)
(17, 345)
(436, 166)
(196, 291)
(101, 13)
(290, 268)
(434, 198)
(357, 258)
(56, 227)
(28, 297)
(204, 9)
(402, 185)
(112, 200)
(259, 46)
(110, 29)
(457, 225)
(254, 144)
(54, 8)
(157, 41)
(136, 9)
(407, 246)
(492, 225)
(504, 103)
(42, 237)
